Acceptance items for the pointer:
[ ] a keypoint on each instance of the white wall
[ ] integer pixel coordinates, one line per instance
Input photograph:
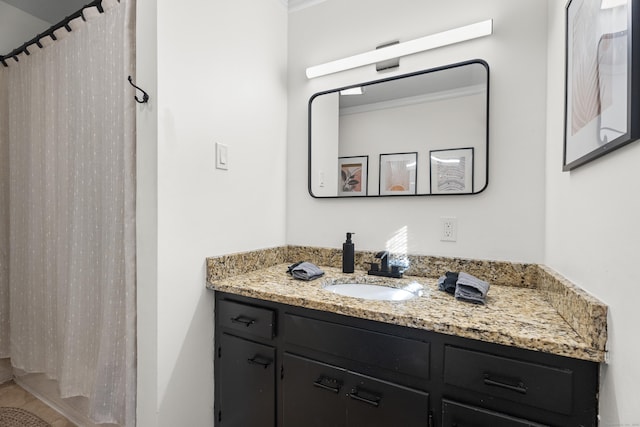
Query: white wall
(593, 237)
(221, 77)
(505, 222)
(325, 133)
(452, 122)
(17, 27)
(147, 215)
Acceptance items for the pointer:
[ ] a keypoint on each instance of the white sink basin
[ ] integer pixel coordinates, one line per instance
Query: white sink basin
(374, 292)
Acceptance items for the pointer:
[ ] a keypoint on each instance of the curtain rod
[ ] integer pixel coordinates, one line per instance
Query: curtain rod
(36, 40)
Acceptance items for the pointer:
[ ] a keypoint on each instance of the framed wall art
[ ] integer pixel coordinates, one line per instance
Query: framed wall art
(602, 93)
(398, 173)
(451, 171)
(353, 173)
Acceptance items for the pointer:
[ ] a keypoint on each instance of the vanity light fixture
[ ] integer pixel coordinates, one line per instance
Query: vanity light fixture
(433, 41)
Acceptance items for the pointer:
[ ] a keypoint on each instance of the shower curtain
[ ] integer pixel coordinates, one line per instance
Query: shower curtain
(71, 216)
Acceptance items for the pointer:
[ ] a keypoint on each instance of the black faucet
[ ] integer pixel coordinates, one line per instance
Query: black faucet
(384, 261)
(383, 268)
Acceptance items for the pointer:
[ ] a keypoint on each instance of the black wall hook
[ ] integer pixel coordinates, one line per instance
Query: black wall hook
(145, 95)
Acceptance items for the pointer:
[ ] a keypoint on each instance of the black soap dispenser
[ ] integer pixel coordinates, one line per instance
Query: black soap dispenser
(348, 263)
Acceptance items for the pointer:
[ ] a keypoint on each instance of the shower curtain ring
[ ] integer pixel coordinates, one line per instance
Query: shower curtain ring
(145, 95)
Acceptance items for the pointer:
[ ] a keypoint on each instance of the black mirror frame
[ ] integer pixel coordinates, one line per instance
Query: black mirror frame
(430, 70)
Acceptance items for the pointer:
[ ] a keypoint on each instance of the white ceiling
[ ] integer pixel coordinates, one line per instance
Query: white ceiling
(54, 11)
(51, 11)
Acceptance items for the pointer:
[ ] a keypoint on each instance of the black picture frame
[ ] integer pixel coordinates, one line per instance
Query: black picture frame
(451, 171)
(602, 82)
(398, 174)
(350, 168)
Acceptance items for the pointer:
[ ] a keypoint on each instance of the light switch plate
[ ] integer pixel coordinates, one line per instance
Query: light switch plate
(222, 156)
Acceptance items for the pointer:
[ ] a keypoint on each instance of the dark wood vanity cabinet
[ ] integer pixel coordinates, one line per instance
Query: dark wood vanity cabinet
(287, 366)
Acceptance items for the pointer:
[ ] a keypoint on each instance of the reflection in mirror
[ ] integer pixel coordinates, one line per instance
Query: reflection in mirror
(422, 133)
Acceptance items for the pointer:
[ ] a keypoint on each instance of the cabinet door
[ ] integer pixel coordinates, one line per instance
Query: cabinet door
(313, 393)
(247, 383)
(374, 402)
(458, 415)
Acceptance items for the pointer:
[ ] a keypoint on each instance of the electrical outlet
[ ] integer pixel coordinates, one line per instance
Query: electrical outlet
(449, 229)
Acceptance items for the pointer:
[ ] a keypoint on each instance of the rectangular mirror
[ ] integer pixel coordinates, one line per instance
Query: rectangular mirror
(424, 133)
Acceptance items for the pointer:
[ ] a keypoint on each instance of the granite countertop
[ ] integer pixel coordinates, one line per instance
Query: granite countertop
(514, 315)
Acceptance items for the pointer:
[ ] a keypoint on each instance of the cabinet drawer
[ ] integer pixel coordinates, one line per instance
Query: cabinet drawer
(246, 319)
(528, 383)
(459, 415)
(401, 355)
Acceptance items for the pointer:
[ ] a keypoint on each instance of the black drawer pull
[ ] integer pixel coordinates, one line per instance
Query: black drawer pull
(373, 402)
(520, 388)
(246, 321)
(256, 360)
(334, 385)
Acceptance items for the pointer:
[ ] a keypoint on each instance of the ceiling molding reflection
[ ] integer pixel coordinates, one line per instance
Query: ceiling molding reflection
(295, 5)
(413, 100)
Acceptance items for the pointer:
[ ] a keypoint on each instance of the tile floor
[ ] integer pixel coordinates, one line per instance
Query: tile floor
(13, 395)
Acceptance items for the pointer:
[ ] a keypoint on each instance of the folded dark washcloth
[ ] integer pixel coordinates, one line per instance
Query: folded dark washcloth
(471, 289)
(305, 271)
(447, 282)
